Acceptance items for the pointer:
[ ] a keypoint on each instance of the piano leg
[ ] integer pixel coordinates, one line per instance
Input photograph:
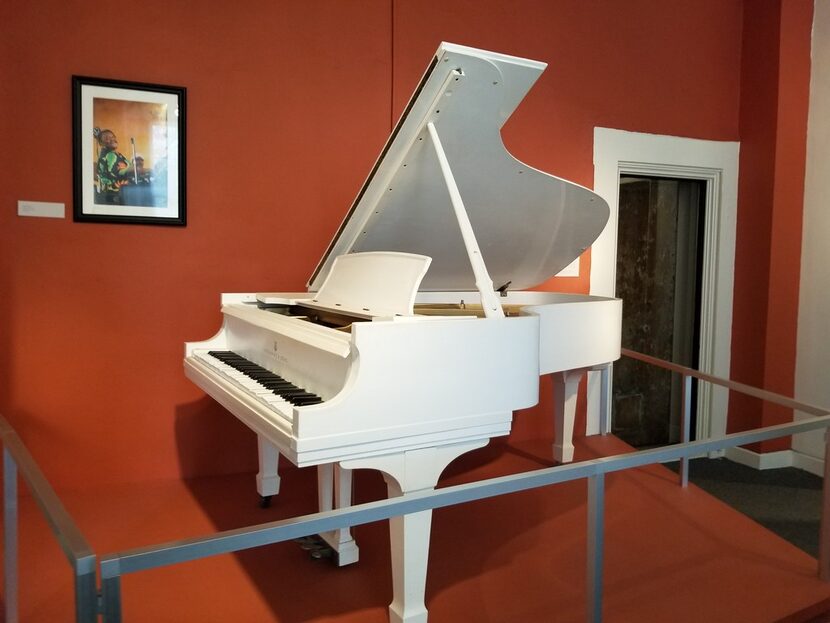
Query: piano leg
(566, 385)
(409, 540)
(334, 490)
(406, 472)
(268, 479)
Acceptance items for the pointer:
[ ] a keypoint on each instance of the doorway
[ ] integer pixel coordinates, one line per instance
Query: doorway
(659, 276)
(618, 152)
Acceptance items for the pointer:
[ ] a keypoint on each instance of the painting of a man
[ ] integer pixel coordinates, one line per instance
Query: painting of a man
(127, 179)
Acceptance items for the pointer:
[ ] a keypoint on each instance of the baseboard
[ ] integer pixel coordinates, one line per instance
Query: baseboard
(808, 463)
(775, 460)
(757, 460)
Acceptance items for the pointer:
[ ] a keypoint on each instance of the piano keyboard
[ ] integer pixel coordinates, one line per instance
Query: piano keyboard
(268, 387)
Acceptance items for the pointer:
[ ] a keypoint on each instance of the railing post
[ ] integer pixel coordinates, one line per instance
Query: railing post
(685, 426)
(596, 540)
(10, 569)
(824, 528)
(86, 590)
(111, 590)
(604, 399)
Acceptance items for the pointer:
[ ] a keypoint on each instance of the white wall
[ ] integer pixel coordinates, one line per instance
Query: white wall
(812, 374)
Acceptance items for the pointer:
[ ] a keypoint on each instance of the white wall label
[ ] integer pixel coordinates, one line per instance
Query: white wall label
(41, 208)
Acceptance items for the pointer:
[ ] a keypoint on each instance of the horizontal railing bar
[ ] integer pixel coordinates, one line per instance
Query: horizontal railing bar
(739, 387)
(228, 541)
(72, 542)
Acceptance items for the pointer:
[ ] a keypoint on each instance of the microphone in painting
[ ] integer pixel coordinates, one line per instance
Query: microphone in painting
(135, 162)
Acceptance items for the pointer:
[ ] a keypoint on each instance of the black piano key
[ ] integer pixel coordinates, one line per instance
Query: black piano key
(297, 401)
(270, 379)
(294, 401)
(233, 363)
(303, 399)
(299, 395)
(290, 393)
(287, 393)
(300, 398)
(302, 402)
(264, 378)
(262, 374)
(272, 384)
(282, 383)
(276, 383)
(269, 376)
(234, 360)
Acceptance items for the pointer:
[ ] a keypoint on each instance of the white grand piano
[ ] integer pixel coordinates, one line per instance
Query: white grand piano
(417, 338)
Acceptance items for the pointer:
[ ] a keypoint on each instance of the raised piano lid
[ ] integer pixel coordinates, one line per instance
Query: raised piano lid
(529, 224)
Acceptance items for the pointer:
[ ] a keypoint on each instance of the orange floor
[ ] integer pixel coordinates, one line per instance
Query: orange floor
(671, 554)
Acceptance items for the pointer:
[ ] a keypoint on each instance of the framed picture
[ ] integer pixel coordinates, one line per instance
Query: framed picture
(128, 141)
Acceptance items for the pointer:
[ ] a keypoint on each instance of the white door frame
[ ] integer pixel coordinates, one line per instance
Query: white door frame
(618, 152)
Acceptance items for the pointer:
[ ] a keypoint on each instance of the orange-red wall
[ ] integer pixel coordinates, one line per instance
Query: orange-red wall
(288, 104)
(788, 206)
(775, 92)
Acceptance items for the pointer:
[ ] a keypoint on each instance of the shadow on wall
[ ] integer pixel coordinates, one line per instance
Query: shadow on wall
(211, 442)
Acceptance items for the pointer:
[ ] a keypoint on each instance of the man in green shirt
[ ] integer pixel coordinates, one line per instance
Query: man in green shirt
(113, 169)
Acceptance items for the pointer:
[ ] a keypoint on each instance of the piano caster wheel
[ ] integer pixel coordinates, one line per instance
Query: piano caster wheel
(265, 501)
(316, 547)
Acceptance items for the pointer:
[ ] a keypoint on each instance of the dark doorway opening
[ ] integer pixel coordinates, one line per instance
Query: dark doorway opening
(659, 268)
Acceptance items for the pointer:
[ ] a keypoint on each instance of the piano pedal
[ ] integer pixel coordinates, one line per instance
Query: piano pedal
(322, 553)
(316, 547)
(309, 542)
(265, 501)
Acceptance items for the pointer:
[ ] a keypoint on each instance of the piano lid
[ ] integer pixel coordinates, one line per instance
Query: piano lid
(529, 224)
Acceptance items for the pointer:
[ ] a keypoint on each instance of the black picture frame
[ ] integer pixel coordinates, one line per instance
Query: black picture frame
(147, 184)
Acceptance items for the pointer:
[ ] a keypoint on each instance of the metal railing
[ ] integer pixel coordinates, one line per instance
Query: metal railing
(687, 374)
(16, 459)
(115, 565)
